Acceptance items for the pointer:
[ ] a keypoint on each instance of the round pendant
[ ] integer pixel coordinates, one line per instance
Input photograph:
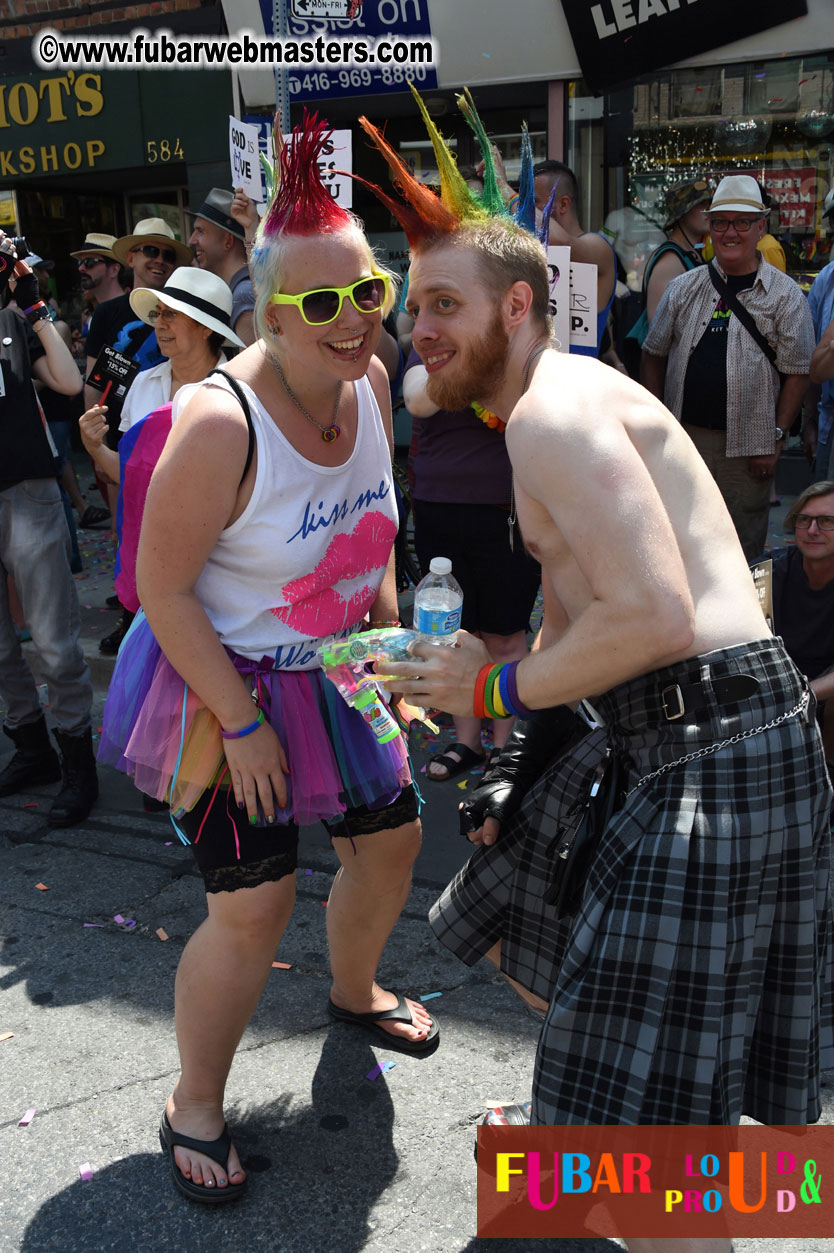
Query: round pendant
(332, 432)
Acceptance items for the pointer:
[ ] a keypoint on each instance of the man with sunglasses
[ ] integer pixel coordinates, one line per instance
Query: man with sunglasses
(152, 253)
(98, 269)
(737, 336)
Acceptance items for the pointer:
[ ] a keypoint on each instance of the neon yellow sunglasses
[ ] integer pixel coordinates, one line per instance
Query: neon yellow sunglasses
(324, 305)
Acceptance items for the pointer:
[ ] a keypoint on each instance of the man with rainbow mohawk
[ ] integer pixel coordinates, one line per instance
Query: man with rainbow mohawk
(695, 905)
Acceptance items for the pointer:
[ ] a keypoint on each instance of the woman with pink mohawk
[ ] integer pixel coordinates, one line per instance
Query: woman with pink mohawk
(269, 525)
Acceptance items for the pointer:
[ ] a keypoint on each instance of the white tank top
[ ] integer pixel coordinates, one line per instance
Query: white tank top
(306, 557)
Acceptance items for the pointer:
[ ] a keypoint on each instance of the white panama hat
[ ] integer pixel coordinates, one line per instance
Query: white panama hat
(737, 193)
(199, 294)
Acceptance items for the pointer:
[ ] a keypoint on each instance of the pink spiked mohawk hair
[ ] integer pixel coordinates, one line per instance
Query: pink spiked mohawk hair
(300, 203)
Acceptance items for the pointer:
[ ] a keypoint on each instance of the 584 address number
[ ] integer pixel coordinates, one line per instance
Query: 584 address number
(162, 150)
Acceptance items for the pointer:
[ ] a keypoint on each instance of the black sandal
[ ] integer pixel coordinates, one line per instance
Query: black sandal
(218, 1150)
(468, 760)
(400, 1013)
(93, 516)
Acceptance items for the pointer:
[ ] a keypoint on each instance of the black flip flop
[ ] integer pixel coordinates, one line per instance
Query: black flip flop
(400, 1013)
(218, 1150)
(468, 760)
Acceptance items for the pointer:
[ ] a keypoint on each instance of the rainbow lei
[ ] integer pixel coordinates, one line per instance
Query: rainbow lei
(489, 418)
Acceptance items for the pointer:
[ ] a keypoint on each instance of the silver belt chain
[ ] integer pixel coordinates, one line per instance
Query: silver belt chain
(800, 708)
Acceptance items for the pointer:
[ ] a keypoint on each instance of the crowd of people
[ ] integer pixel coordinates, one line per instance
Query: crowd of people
(678, 979)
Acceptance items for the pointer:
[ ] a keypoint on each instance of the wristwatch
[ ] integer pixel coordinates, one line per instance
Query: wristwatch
(779, 433)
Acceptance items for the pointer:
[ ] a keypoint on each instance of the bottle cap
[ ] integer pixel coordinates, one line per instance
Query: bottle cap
(440, 565)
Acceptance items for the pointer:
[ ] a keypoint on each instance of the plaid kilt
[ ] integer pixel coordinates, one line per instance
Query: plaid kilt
(694, 985)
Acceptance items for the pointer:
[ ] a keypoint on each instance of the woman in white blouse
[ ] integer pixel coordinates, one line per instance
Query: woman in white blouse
(191, 317)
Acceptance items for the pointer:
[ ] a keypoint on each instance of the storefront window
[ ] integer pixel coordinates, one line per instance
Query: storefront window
(771, 119)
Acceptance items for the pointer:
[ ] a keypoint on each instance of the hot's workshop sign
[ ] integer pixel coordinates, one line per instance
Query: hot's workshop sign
(617, 40)
(80, 122)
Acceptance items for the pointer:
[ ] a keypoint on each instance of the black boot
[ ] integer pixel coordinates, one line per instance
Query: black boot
(78, 771)
(35, 761)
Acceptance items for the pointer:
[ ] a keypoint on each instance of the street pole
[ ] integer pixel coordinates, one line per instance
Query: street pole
(282, 82)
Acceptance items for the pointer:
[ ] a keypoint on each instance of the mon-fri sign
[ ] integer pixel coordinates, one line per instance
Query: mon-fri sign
(573, 299)
(617, 40)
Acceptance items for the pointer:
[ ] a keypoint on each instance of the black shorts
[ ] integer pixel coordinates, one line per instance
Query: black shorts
(499, 585)
(268, 853)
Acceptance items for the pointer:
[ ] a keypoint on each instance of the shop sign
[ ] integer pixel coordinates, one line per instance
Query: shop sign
(71, 123)
(795, 192)
(368, 20)
(618, 40)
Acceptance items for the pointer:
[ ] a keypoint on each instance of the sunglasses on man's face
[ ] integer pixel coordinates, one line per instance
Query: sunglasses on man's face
(367, 295)
(152, 252)
(87, 263)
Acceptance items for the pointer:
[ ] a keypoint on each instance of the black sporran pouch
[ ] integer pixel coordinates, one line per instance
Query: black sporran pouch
(576, 842)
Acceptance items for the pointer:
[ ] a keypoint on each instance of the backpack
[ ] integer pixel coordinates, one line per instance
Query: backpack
(640, 327)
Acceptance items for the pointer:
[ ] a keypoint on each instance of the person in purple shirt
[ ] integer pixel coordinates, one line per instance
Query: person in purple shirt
(461, 499)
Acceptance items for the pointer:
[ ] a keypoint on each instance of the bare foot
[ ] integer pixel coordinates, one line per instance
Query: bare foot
(416, 1030)
(202, 1123)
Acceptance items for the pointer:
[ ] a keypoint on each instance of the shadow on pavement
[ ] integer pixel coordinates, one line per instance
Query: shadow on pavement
(315, 1174)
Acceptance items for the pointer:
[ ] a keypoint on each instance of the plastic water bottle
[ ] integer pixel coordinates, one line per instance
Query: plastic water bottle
(437, 604)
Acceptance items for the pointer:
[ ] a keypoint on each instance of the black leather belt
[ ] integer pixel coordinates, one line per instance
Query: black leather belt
(678, 700)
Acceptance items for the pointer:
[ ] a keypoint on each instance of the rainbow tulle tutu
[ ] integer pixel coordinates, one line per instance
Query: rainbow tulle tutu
(164, 737)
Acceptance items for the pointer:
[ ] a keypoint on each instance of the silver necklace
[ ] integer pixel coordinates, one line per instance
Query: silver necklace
(533, 356)
(328, 433)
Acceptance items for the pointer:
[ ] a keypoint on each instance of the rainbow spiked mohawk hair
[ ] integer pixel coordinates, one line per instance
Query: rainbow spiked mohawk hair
(299, 203)
(422, 214)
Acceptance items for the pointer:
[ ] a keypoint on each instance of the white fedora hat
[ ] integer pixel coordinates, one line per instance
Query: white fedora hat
(199, 294)
(152, 231)
(737, 193)
(96, 245)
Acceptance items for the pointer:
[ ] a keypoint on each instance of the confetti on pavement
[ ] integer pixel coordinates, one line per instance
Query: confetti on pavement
(430, 996)
(41, 887)
(85, 1170)
(162, 933)
(27, 1118)
(379, 1069)
(282, 965)
(7, 1035)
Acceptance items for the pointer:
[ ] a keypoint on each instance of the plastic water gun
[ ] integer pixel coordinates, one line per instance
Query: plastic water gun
(346, 664)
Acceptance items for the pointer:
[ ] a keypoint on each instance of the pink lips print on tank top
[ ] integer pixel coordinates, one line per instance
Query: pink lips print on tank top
(316, 608)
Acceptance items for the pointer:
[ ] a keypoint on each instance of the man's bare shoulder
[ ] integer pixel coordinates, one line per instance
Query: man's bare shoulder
(580, 397)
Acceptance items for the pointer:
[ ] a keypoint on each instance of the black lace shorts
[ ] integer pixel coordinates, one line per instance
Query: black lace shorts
(269, 853)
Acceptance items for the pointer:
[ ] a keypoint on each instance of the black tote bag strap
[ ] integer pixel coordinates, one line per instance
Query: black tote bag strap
(744, 316)
(244, 404)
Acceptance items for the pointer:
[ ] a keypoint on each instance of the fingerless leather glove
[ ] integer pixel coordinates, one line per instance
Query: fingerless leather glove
(534, 743)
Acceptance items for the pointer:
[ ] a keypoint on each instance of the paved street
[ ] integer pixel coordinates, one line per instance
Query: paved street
(338, 1162)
